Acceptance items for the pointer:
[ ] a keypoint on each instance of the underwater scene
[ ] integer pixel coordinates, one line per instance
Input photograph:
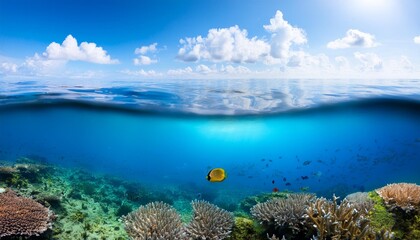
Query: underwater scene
(209, 120)
(242, 161)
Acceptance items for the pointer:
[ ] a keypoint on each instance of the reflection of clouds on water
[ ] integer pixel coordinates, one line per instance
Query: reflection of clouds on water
(211, 96)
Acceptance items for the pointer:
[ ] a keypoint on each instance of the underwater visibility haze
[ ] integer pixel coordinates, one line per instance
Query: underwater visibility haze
(322, 146)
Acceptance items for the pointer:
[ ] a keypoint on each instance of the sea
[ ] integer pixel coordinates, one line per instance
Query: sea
(325, 137)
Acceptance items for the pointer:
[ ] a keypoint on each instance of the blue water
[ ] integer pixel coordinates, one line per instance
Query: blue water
(299, 139)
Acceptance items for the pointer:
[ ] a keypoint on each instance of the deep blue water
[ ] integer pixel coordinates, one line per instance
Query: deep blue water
(353, 142)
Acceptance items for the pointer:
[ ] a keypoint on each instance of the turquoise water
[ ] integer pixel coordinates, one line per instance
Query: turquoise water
(339, 148)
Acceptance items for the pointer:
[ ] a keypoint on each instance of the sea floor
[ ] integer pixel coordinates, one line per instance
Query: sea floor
(90, 205)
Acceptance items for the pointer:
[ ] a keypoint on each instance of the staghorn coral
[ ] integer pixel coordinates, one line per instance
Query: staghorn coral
(405, 196)
(154, 221)
(284, 213)
(21, 216)
(343, 221)
(209, 222)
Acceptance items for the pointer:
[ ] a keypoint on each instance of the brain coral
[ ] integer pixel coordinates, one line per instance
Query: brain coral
(21, 216)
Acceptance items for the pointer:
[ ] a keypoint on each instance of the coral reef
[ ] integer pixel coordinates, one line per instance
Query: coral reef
(360, 201)
(334, 221)
(245, 229)
(342, 221)
(154, 221)
(21, 216)
(286, 216)
(246, 204)
(401, 195)
(380, 218)
(209, 222)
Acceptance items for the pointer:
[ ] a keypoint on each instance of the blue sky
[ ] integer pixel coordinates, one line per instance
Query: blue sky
(110, 39)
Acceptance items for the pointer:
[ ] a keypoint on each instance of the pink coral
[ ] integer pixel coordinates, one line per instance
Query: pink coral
(21, 216)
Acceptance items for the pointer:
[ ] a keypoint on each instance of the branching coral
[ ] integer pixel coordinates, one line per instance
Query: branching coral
(209, 222)
(401, 195)
(343, 221)
(21, 216)
(288, 213)
(154, 221)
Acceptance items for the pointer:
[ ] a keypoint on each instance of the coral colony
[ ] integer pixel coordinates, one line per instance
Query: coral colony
(48, 202)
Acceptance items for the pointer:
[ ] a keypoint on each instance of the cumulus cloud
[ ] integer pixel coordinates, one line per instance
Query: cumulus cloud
(223, 44)
(416, 39)
(69, 50)
(8, 68)
(233, 44)
(180, 71)
(369, 61)
(283, 36)
(146, 49)
(142, 59)
(354, 38)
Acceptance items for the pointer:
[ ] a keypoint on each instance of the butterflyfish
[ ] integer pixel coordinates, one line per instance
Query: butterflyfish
(216, 175)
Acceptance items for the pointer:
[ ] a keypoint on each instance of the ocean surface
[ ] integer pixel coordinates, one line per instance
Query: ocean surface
(320, 136)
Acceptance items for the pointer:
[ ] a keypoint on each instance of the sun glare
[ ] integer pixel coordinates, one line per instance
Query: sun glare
(374, 5)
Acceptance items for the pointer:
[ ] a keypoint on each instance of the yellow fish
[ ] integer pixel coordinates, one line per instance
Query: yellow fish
(216, 175)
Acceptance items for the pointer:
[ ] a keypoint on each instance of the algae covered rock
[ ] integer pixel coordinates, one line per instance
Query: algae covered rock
(246, 229)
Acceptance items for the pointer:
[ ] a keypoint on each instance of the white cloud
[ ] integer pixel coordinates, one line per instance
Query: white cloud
(369, 61)
(41, 66)
(229, 69)
(144, 60)
(180, 71)
(145, 49)
(354, 38)
(233, 45)
(283, 36)
(143, 73)
(69, 50)
(142, 51)
(406, 63)
(416, 39)
(8, 68)
(205, 69)
(342, 62)
(223, 44)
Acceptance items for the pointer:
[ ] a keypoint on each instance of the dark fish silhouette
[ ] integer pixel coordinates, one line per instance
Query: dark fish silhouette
(288, 184)
(273, 182)
(284, 179)
(306, 163)
(304, 177)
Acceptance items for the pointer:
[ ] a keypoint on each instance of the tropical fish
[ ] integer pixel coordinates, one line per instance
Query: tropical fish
(216, 175)
(275, 189)
(304, 189)
(273, 182)
(288, 184)
(284, 179)
(304, 177)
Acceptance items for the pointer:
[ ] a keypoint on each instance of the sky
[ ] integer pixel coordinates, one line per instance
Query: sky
(212, 39)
